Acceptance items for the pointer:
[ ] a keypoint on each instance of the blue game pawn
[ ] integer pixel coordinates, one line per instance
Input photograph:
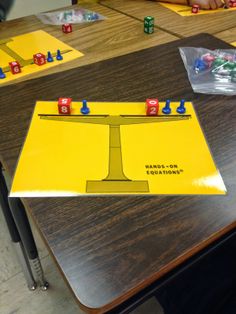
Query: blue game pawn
(59, 56)
(84, 109)
(167, 109)
(181, 109)
(2, 74)
(199, 65)
(49, 57)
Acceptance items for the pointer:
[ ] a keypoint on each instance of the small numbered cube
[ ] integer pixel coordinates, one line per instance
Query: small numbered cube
(39, 58)
(152, 107)
(149, 25)
(195, 8)
(15, 67)
(64, 105)
(67, 28)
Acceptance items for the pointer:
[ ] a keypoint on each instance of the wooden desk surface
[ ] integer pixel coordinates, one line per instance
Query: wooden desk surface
(172, 22)
(115, 36)
(109, 248)
(229, 35)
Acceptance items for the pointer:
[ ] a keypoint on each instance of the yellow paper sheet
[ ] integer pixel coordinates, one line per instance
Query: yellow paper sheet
(22, 48)
(116, 149)
(233, 44)
(184, 10)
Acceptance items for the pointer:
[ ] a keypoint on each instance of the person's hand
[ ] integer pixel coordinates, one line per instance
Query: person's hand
(226, 3)
(209, 4)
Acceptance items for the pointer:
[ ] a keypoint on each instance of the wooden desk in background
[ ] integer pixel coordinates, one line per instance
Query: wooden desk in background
(115, 36)
(229, 35)
(172, 22)
(109, 249)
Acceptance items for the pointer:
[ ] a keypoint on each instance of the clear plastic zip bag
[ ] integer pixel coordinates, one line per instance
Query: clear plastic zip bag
(210, 71)
(73, 16)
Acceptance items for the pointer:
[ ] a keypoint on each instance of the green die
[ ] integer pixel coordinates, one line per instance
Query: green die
(149, 30)
(149, 25)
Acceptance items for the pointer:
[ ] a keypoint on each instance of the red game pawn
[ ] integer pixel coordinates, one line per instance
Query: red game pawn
(229, 58)
(15, 67)
(208, 58)
(39, 58)
(152, 107)
(195, 8)
(67, 28)
(64, 105)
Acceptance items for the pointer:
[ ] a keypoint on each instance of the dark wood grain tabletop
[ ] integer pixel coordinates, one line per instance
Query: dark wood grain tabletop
(109, 248)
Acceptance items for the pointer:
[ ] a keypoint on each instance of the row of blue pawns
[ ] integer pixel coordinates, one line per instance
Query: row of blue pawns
(59, 57)
(166, 110)
(181, 109)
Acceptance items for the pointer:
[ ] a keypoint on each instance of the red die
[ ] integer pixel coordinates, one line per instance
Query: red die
(39, 58)
(15, 67)
(67, 28)
(152, 107)
(64, 105)
(195, 8)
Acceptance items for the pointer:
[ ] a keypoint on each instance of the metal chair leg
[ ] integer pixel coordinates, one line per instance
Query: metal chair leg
(15, 237)
(26, 268)
(23, 226)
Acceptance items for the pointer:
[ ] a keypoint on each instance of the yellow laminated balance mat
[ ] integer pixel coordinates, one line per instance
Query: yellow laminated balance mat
(22, 48)
(185, 10)
(116, 149)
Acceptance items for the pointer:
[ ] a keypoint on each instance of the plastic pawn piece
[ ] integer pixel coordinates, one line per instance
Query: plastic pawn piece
(49, 57)
(181, 109)
(167, 109)
(2, 74)
(84, 109)
(59, 56)
(199, 65)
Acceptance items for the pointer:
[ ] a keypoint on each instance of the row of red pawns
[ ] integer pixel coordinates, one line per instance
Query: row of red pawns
(65, 106)
(196, 7)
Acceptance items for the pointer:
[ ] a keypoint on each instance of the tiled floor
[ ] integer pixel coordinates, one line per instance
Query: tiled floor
(15, 298)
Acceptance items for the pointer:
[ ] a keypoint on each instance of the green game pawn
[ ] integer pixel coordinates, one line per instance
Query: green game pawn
(218, 62)
(233, 76)
(229, 65)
